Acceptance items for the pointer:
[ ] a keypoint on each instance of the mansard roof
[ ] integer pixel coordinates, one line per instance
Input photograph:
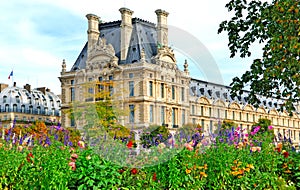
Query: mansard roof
(143, 36)
(17, 97)
(217, 91)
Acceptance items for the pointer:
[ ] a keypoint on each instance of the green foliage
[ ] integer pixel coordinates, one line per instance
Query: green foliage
(220, 166)
(48, 169)
(276, 25)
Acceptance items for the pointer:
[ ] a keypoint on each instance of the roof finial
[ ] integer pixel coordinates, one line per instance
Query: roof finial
(186, 65)
(63, 66)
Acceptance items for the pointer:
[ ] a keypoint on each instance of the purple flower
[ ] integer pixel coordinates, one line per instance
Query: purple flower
(270, 127)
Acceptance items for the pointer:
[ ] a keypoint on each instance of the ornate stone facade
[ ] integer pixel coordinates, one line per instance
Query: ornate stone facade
(133, 53)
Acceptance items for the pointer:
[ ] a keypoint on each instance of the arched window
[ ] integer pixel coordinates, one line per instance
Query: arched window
(46, 111)
(23, 108)
(6, 108)
(39, 110)
(30, 109)
(15, 108)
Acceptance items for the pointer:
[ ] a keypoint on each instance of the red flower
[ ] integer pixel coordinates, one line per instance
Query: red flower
(134, 171)
(286, 154)
(129, 144)
(154, 177)
(29, 157)
(121, 171)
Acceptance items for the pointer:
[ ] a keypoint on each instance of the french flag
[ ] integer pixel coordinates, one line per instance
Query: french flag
(11, 74)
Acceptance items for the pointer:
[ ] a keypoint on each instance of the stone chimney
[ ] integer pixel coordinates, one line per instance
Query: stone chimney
(27, 87)
(126, 30)
(162, 27)
(3, 86)
(42, 89)
(93, 29)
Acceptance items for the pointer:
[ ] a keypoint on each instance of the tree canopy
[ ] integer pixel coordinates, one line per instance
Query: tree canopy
(276, 25)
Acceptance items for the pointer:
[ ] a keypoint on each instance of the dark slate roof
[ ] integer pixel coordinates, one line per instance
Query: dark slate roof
(81, 59)
(143, 36)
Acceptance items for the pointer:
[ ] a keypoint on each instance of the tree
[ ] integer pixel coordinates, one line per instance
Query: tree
(99, 111)
(276, 25)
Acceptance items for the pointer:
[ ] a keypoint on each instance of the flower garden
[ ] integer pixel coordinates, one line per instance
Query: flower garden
(40, 157)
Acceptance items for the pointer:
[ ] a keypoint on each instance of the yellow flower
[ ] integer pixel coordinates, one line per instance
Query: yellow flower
(233, 168)
(235, 173)
(235, 161)
(203, 174)
(205, 166)
(239, 176)
(187, 171)
(250, 166)
(247, 169)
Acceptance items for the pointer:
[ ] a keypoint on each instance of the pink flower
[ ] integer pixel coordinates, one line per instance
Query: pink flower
(81, 144)
(246, 135)
(73, 165)
(188, 146)
(270, 127)
(74, 157)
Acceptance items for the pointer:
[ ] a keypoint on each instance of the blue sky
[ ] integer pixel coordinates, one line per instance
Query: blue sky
(35, 36)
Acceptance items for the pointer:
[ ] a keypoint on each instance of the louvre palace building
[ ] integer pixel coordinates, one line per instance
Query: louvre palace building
(133, 54)
(24, 105)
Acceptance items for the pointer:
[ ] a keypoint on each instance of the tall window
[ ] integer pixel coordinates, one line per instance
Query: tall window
(247, 116)
(150, 88)
(72, 120)
(254, 118)
(131, 114)
(72, 91)
(209, 112)
(183, 117)
(233, 115)
(173, 92)
(182, 93)
(202, 124)
(218, 113)
(131, 88)
(162, 90)
(100, 86)
(110, 77)
(225, 114)
(151, 114)
(193, 109)
(210, 126)
(240, 115)
(173, 116)
(162, 114)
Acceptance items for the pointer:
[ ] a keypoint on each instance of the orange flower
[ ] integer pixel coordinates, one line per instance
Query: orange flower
(203, 174)
(187, 171)
(205, 166)
(247, 169)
